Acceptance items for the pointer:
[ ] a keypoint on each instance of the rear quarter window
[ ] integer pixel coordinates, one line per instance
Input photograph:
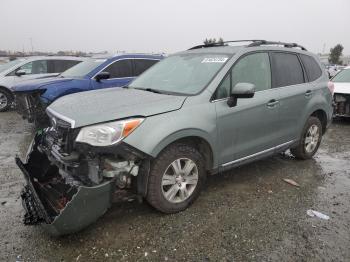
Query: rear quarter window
(142, 65)
(312, 68)
(59, 66)
(286, 69)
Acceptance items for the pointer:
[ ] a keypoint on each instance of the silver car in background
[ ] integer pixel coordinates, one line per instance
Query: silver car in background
(28, 68)
(342, 93)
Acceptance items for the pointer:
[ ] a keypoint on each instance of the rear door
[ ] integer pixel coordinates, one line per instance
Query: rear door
(289, 78)
(250, 127)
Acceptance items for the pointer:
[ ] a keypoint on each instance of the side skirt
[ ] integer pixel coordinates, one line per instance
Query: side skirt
(257, 156)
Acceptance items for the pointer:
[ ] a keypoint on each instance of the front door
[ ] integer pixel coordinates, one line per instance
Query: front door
(251, 126)
(121, 74)
(33, 70)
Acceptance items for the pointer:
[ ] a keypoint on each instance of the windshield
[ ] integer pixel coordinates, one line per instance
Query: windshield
(184, 74)
(342, 76)
(10, 64)
(83, 68)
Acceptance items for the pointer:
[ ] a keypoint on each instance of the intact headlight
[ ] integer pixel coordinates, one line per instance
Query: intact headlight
(108, 133)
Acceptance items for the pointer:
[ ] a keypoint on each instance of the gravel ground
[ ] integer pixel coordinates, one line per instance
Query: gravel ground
(247, 214)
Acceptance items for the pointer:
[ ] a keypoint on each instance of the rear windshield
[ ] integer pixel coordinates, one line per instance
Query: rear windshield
(83, 68)
(342, 76)
(185, 74)
(8, 65)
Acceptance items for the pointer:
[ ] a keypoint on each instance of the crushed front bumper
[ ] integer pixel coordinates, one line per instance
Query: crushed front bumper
(341, 105)
(63, 211)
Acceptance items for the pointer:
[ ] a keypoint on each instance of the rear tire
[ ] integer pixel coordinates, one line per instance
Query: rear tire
(6, 100)
(310, 139)
(176, 178)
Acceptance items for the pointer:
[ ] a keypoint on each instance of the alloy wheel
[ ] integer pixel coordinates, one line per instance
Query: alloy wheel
(3, 100)
(179, 180)
(311, 139)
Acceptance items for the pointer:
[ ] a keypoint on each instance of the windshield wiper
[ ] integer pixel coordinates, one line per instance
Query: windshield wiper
(150, 90)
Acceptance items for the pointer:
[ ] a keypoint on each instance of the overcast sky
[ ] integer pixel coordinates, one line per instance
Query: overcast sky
(169, 25)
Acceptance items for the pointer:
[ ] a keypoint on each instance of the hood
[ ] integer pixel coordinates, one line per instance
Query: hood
(341, 88)
(38, 84)
(99, 106)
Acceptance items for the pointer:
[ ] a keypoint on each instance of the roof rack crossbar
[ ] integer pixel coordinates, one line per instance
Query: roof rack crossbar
(264, 42)
(223, 43)
(255, 42)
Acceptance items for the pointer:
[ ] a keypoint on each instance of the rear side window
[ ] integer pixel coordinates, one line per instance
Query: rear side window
(286, 69)
(312, 68)
(142, 65)
(59, 66)
(120, 69)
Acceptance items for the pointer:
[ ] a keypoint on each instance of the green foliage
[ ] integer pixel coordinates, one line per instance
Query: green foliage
(336, 53)
(209, 41)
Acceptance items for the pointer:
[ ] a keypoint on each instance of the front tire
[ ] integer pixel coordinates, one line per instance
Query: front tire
(6, 100)
(310, 139)
(176, 178)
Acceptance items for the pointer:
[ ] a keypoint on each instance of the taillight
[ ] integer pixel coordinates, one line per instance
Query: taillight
(331, 87)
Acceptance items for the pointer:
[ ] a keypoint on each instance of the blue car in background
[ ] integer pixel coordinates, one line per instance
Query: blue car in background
(33, 96)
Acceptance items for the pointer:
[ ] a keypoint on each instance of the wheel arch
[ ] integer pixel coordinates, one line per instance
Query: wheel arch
(196, 139)
(322, 116)
(8, 91)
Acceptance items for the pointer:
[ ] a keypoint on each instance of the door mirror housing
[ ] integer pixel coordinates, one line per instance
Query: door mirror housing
(102, 75)
(20, 72)
(241, 90)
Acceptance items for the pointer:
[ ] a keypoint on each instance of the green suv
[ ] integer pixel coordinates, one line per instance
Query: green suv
(197, 112)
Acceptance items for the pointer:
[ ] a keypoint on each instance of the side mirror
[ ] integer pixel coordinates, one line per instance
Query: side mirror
(102, 75)
(20, 72)
(241, 90)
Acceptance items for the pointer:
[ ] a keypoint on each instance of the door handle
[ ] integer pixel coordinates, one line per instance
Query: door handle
(308, 93)
(272, 103)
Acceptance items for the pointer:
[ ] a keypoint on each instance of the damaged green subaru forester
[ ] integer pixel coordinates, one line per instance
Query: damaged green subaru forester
(197, 112)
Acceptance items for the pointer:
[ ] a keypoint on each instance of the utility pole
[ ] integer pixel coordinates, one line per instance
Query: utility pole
(31, 44)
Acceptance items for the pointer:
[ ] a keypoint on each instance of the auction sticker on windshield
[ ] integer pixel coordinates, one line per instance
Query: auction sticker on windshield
(214, 60)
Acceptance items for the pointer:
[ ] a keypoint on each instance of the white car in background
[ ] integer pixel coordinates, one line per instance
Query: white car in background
(342, 93)
(22, 69)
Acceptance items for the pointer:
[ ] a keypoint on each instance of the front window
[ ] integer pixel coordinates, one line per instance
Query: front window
(185, 74)
(83, 68)
(120, 69)
(253, 68)
(342, 76)
(35, 67)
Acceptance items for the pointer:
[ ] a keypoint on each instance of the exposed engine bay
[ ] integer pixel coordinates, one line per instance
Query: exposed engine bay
(30, 107)
(342, 105)
(70, 185)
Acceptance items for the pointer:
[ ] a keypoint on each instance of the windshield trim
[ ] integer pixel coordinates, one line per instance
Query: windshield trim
(229, 56)
(87, 74)
(12, 67)
(338, 75)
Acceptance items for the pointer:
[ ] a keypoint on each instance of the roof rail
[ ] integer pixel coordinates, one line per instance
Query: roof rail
(254, 43)
(264, 42)
(225, 43)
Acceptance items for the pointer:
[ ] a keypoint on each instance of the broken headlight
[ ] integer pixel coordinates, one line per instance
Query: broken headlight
(108, 133)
